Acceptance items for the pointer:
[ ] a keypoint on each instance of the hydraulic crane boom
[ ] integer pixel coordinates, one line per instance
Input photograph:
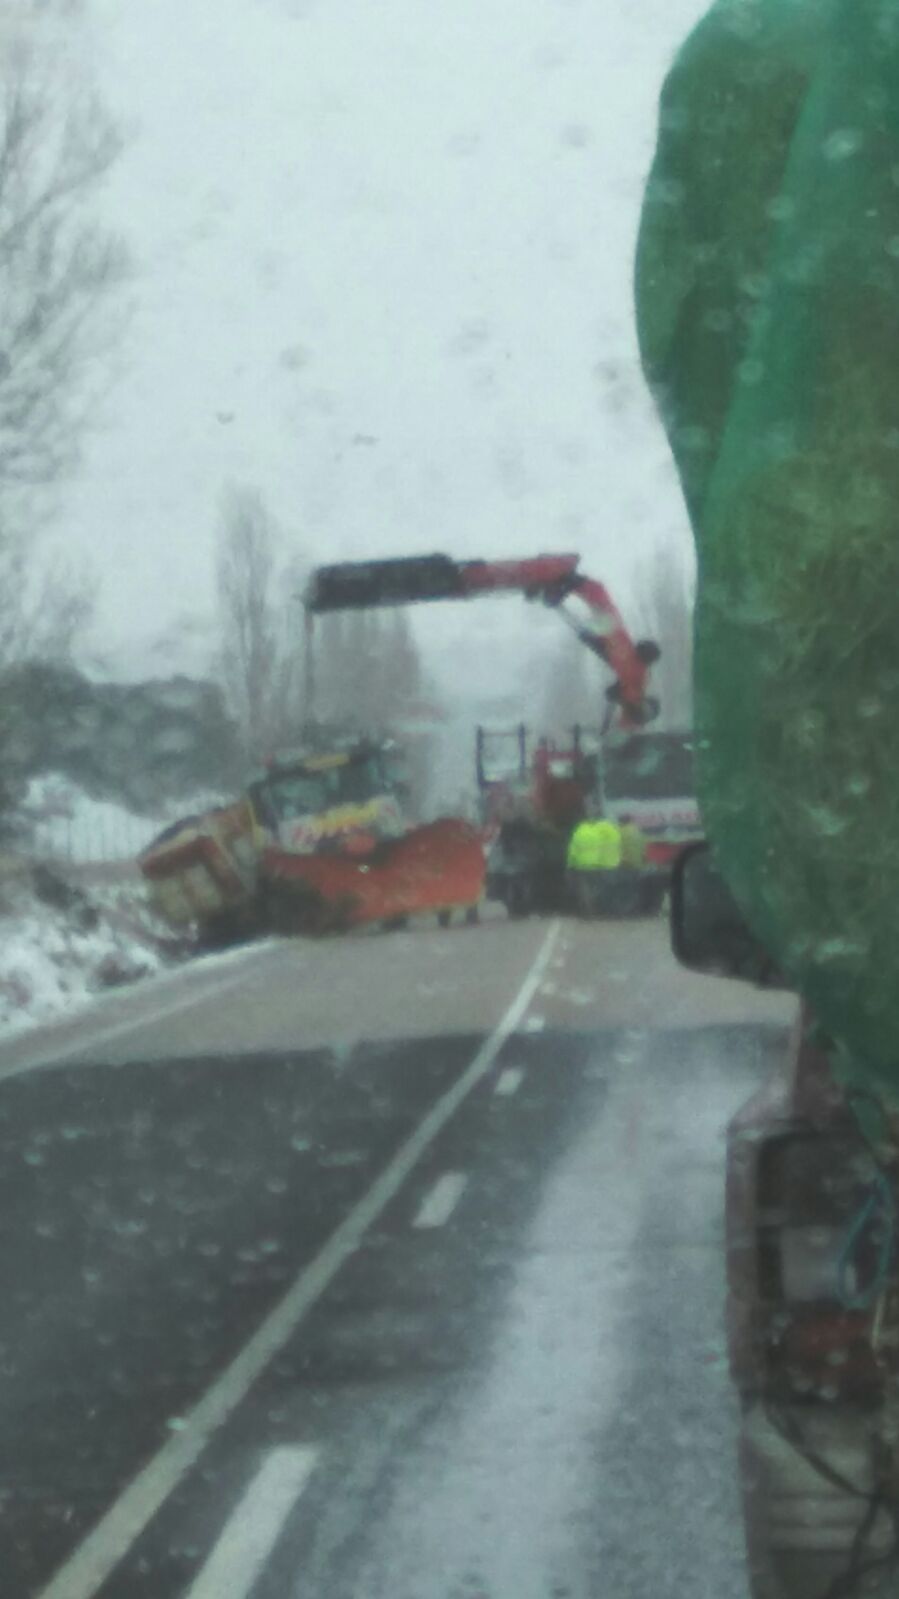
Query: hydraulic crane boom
(551, 579)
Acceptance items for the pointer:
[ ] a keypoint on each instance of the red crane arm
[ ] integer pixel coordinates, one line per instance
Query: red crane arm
(535, 578)
(357, 585)
(628, 660)
(552, 578)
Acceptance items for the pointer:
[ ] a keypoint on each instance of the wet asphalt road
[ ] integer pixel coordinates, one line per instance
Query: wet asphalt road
(434, 1316)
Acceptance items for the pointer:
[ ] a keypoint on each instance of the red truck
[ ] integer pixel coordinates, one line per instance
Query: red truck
(812, 1292)
(534, 793)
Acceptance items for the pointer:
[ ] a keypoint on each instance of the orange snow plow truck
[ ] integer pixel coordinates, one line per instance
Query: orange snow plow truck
(318, 843)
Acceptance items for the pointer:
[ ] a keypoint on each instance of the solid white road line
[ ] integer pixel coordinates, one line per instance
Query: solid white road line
(440, 1201)
(104, 1547)
(253, 1529)
(509, 1081)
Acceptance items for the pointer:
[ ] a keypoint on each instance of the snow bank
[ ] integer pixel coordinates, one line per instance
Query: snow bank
(56, 957)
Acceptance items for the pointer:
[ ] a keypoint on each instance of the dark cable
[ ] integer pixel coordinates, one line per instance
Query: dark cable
(846, 1583)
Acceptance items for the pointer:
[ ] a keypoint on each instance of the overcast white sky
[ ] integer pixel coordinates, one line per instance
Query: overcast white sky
(384, 254)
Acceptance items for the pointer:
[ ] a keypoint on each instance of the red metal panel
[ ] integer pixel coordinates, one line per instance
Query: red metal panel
(435, 867)
(539, 573)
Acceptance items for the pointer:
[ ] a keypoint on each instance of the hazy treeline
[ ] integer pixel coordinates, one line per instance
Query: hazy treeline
(367, 672)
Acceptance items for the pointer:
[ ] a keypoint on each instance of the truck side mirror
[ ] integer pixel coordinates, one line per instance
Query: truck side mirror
(708, 931)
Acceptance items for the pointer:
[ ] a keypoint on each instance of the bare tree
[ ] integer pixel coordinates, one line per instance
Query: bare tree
(44, 612)
(575, 688)
(259, 625)
(664, 612)
(59, 267)
(369, 671)
(403, 677)
(333, 676)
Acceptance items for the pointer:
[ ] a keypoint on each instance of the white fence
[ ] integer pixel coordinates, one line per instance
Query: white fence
(117, 837)
(66, 824)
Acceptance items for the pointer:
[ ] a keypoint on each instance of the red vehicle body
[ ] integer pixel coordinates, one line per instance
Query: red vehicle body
(813, 1328)
(517, 777)
(812, 1305)
(436, 867)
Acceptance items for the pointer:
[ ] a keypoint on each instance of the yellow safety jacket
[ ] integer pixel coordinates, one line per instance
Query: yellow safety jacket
(633, 845)
(595, 847)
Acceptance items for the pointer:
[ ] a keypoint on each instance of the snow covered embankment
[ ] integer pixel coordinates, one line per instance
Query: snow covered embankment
(60, 947)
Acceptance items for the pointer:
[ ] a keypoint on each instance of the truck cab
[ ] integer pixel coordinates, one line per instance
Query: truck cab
(337, 800)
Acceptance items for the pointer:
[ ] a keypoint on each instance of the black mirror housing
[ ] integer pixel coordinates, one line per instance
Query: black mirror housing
(708, 930)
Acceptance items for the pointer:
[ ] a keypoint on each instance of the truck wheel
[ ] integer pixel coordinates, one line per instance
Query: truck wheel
(396, 924)
(444, 918)
(222, 931)
(472, 916)
(282, 912)
(518, 901)
(653, 897)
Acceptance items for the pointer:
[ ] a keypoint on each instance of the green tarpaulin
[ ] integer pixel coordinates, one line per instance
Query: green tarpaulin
(768, 311)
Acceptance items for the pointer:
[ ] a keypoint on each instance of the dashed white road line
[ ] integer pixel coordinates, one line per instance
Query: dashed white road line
(97, 1556)
(252, 1530)
(509, 1081)
(440, 1201)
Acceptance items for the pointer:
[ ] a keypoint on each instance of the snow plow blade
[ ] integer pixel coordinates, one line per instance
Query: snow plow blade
(437, 867)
